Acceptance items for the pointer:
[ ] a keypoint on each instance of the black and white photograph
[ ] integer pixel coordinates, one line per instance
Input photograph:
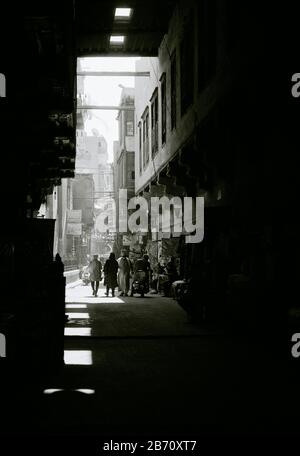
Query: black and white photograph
(149, 241)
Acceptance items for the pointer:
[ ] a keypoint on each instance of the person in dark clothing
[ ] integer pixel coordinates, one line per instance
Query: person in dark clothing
(158, 269)
(95, 268)
(141, 264)
(110, 274)
(171, 270)
(59, 264)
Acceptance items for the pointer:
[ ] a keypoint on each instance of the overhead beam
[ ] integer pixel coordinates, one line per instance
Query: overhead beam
(106, 52)
(114, 73)
(109, 108)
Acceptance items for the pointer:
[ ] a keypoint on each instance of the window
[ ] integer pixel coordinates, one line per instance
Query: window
(187, 64)
(140, 147)
(129, 116)
(207, 50)
(146, 138)
(173, 90)
(132, 175)
(129, 129)
(154, 123)
(163, 109)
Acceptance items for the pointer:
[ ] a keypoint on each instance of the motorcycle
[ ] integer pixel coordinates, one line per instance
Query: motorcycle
(140, 283)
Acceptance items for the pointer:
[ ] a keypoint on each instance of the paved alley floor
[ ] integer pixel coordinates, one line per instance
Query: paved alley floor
(117, 316)
(137, 365)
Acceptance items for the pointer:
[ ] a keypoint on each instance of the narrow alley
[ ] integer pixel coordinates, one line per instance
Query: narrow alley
(151, 147)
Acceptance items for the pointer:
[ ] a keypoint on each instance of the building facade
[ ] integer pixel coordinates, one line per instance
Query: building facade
(194, 139)
(124, 163)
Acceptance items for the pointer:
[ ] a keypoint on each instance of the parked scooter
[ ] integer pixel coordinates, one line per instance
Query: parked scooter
(140, 283)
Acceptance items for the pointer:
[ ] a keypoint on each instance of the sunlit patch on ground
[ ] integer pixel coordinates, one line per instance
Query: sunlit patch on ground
(82, 295)
(78, 357)
(52, 390)
(80, 315)
(78, 331)
(59, 390)
(85, 391)
(76, 306)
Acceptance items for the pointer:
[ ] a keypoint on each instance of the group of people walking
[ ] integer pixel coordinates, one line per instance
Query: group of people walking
(110, 274)
(118, 273)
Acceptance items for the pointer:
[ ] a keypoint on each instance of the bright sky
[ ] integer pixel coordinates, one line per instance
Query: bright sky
(104, 90)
